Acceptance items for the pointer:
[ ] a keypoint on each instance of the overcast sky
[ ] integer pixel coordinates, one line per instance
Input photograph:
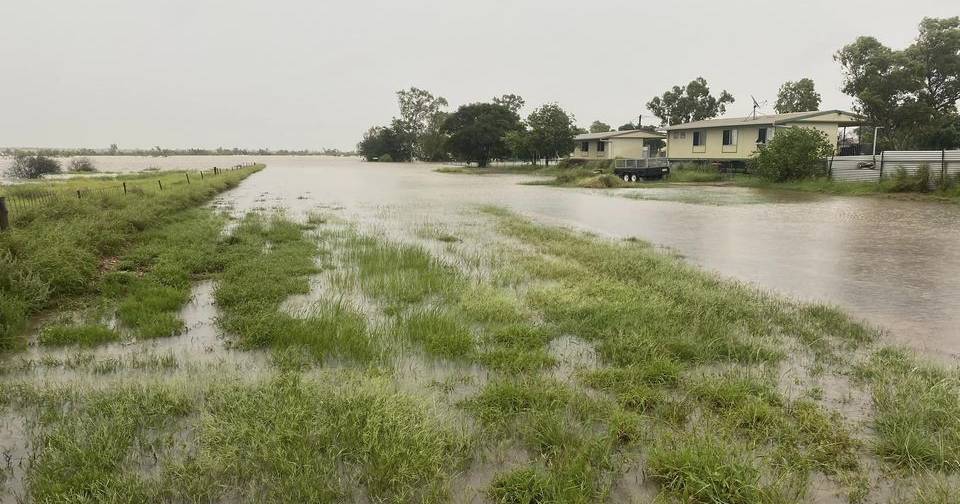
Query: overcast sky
(311, 74)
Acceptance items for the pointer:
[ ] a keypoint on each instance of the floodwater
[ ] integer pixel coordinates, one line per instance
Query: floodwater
(130, 164)
(893, 263)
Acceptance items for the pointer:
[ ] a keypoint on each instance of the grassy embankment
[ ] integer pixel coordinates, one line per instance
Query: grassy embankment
(573, 364)
(65, 252)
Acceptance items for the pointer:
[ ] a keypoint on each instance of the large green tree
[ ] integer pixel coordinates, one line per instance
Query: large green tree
(911, 93)
(551, 131)
(477, 132)
(692, 102)
(797, 96)
(511, 101)
(385, 142)
(418, 108)
(599, 127)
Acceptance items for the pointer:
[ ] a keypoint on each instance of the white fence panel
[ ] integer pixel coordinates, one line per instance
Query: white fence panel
(887, 164)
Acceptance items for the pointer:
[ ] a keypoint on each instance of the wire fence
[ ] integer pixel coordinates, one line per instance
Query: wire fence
(25, 198)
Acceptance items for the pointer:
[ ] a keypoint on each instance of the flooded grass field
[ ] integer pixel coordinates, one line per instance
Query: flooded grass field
(340, 331)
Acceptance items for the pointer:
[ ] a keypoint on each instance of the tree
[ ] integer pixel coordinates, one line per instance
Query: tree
(433, 141)
(385, 142)
(417, 108)
(912, 94)
(520, 144)
(799, 96)
(552, 131)
(31, 166)
(114, 149)
(793, 154)
(511, 101)
(627, 127)
(82, 165)
(478, 130)
(692, 102)
(599, 127)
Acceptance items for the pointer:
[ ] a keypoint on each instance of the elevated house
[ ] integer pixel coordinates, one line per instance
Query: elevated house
(735, 139)
(629, 144)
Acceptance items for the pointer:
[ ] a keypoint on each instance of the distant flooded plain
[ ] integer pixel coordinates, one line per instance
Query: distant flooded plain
(893, 263)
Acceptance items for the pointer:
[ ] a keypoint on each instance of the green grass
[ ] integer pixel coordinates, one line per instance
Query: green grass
(703, 468)
(55, 252)
(83, 335)
(266, 260)
(588, 358)
(917, 407)
(280, 441)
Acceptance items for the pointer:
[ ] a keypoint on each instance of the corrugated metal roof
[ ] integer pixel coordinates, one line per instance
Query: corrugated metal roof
(762, 119)
(612, 134)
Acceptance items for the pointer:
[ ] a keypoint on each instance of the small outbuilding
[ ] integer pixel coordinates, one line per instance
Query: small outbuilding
(629, 144)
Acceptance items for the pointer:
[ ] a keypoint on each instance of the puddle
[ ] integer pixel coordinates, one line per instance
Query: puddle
(446, 382)
(14, 456)
(199, 347)
(572, 355)
(471, 486)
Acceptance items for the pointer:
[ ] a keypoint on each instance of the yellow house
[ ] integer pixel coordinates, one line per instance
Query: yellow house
(737, 138)
(614, 144)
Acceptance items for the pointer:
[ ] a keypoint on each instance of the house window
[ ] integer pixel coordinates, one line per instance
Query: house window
(584, 146)
(600, 146)
(676, 135)
(762, 136)
(699, 138)
(729, 137)
(683, 134)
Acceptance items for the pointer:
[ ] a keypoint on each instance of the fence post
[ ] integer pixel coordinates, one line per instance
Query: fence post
(78, 193)
(943, 166)
(188, 177)
(201, 174)
(4, 219)
(160, 184)
(881, 166)
(124, 188)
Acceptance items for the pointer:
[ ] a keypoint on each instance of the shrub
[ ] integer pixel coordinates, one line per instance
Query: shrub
(82, 165)
(793, 154)
(386, 158)
(902, 181)
(32, 166)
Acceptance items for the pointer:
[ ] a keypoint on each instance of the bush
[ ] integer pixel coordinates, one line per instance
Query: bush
(588, 164)
(793, 154)
(32, 166)
(386, 158)
(905, 182)
(82, 165)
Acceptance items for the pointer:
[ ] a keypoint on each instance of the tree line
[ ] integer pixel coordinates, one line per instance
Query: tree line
(475, 132)
(910, 94)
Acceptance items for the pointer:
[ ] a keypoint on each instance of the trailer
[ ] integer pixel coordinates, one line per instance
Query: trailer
(632, 170)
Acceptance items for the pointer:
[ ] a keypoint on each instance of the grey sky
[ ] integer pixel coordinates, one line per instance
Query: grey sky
(309, 74)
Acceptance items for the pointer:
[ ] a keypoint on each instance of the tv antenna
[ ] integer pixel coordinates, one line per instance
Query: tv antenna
(756, 106)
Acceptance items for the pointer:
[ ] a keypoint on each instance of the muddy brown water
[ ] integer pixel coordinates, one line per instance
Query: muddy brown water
(893, 263)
